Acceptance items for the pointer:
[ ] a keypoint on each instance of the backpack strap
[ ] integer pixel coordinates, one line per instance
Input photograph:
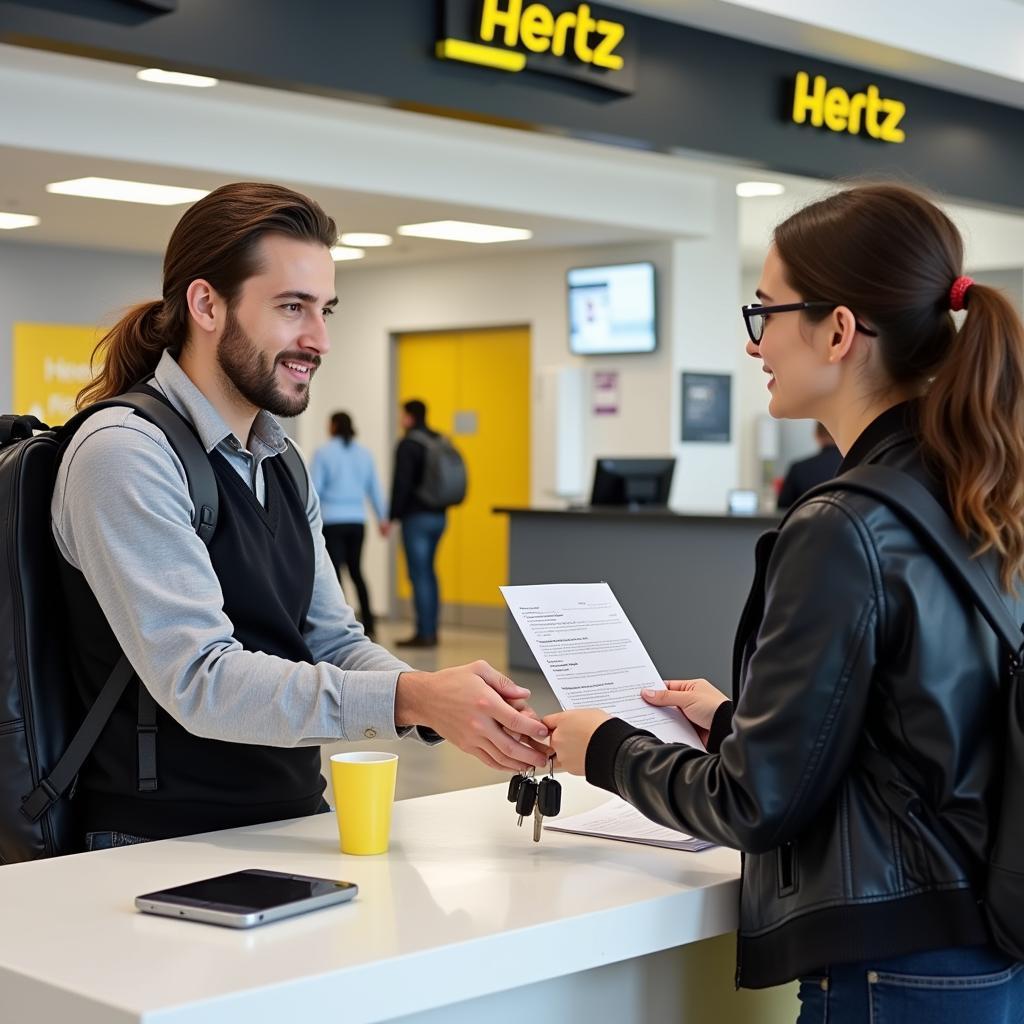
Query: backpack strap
(919, 510)
(297, 468)
(202, 487)
(929, 521)
(53, 787)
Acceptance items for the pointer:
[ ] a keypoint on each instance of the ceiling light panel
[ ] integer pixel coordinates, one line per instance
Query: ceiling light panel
(11, 221)
(465, 231)
(365, 239)
(126, 191)
(162, 77)
(340, 253)
(750, 189)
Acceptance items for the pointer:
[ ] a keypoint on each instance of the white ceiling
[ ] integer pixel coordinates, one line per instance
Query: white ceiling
(976, 49)
(994, 239)
(133, 227)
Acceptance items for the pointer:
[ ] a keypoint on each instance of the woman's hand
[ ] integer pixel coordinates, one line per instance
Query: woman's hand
(697, 699)
(570, 735)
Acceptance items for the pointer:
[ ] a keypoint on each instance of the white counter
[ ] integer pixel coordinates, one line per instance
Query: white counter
(463, 906)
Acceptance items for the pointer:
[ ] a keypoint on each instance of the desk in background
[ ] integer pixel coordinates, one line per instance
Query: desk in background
(681, 579)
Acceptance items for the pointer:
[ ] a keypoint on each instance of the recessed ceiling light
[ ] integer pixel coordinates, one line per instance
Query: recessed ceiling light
(126, 191)
(10, 221)
(176, 78)
(465, 231)
(345, 252)
(749, 189)
(366, 239)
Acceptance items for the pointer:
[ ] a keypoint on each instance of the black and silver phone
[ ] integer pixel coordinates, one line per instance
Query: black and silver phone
(247, 898)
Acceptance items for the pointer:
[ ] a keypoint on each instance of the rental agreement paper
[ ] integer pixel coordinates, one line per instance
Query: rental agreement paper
(591, 655)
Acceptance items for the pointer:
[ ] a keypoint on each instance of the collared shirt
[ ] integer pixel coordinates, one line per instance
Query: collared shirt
(122, 516)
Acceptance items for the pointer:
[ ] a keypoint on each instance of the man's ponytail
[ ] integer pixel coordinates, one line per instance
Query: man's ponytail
(972, 428)
(217, 240)
(126, 354)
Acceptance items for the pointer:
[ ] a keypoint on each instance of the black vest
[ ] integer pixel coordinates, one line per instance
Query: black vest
(264, 560)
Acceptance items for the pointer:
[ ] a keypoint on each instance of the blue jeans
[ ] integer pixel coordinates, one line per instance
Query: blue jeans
(965, 985)
(421, 533)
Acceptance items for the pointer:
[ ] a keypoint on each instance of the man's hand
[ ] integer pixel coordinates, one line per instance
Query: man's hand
(697, 699)
(571, 732)
(478, 709)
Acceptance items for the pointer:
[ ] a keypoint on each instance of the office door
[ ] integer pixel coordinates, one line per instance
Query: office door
(476, 385)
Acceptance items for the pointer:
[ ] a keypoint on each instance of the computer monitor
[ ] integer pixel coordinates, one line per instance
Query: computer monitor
(632, 482)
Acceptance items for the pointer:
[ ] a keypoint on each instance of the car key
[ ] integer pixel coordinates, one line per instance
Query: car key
(514, 785)
(527, 798)
(549, 796)
(538, 820)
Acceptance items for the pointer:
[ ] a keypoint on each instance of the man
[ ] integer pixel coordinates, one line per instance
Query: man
(807, 473)
(247, 646)
(422, 524)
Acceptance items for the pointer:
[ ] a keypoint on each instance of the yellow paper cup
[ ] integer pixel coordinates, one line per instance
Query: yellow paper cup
(364, 790)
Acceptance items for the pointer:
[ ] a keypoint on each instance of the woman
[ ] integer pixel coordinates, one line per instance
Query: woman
(853, 639)
(343, 476)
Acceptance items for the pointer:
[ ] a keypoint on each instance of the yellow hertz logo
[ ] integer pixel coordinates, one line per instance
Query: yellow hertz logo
(838, 111)
(537, 29)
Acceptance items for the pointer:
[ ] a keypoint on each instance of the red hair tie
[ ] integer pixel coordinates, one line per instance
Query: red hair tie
(958, 293)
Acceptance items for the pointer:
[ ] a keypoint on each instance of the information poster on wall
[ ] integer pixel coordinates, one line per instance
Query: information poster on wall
(606, 393)
(707, 407)
(51, 365)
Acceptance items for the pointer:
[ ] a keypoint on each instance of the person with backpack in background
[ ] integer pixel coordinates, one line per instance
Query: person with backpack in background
(247, 656)
(866, 767)
(343, 474)
(429, 477)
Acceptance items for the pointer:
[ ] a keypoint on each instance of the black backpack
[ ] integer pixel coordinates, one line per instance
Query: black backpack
(1003, 886)
(444, 471)
(44, 739)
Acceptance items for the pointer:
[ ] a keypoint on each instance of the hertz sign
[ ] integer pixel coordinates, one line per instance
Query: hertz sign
(836, 110)
(571, 40)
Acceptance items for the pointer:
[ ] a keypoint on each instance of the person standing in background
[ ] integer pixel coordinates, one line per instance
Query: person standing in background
(422, 524)
(344, 477)
(807, 473)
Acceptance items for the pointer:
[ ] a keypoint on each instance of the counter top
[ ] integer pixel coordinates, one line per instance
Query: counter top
(769, 520)
(462, 895)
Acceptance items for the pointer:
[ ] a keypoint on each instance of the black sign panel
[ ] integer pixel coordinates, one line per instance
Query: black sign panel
(581, 41)
(692, 90)
(707, 407)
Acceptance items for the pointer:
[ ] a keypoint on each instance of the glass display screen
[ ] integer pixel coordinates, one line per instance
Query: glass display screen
(249, 890)
(612, 309)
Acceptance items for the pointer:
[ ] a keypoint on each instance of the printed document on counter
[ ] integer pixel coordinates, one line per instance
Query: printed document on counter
(591, 655)
(618, 820)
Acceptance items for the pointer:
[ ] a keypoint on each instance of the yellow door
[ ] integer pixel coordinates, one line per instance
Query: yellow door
(476, 386)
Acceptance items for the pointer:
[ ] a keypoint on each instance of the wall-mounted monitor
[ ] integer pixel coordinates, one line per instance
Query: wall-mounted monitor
(612, 309)
(634, 483)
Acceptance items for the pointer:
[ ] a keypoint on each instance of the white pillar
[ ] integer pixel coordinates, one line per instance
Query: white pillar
(707, 336)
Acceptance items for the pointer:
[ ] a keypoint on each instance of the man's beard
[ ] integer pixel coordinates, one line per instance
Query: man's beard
(255, 377)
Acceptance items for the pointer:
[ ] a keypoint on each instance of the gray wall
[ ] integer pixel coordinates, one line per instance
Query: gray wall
(1011, 281)
(52, 284)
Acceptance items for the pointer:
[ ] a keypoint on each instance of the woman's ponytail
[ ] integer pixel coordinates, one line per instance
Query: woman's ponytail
(896, 260)
(972, 428)
(126, 354)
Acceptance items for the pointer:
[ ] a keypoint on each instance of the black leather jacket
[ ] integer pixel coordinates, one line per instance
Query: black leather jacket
(851, 637)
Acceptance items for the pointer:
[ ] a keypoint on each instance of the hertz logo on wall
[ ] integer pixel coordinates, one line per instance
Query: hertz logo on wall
(833, 108)
(571, 40)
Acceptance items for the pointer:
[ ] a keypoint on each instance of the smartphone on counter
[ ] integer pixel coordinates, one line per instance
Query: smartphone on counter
(247, 898)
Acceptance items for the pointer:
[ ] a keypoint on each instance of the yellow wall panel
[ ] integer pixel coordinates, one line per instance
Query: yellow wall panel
(487, 373)
(51, 365)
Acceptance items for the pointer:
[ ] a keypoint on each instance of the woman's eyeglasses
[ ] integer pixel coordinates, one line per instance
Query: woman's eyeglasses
(755, 314)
